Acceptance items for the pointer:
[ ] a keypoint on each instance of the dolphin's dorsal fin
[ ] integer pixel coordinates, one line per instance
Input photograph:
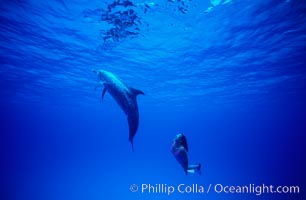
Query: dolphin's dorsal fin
(135, 92)
(103, 92)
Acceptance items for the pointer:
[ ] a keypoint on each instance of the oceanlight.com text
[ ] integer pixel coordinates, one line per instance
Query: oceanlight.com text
(218, 188)
(256, 189)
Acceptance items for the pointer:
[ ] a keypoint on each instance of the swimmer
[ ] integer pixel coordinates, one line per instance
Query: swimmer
(179, 149)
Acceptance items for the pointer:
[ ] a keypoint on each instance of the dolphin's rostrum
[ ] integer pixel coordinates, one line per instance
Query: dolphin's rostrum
(125, 97)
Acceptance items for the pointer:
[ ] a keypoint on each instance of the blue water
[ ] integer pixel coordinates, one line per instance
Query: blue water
(230, 75)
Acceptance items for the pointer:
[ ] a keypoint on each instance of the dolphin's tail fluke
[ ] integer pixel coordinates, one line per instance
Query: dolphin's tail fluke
(132, 143)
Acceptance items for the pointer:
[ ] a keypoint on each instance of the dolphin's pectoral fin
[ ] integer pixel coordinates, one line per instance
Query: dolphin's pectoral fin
(136, 92)
(103, 92)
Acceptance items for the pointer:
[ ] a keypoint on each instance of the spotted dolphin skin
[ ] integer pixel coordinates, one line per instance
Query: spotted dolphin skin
(125, 97)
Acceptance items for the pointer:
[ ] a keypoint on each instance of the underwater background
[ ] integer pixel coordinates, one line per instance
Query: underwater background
(230, 75)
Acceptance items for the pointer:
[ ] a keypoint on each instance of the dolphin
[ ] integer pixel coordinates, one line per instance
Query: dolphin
(125, 97)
